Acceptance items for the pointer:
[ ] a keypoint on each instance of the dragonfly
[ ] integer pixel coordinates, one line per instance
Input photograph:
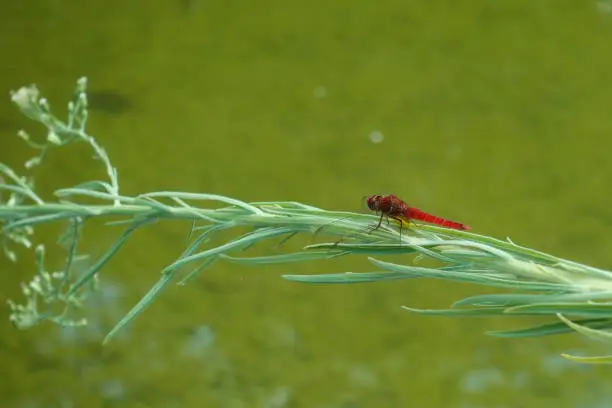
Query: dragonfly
(391, 206)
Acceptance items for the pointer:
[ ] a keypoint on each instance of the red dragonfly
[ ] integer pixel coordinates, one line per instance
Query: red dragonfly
(391, 206)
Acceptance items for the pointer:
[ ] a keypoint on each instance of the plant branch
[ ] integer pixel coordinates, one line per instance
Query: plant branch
(577, 296)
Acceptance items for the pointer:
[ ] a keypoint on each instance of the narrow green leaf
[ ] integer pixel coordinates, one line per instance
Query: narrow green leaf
(25, 191)
(69, 192)
(589, 360)
(365, 249)
(140, 306)
(285, 205)
(206, 234)
(96, 186)
(284, 258)
(71, 233)
(599, 335)
(515, 299)
(39, 219)
(346, 277)
(486, 311)
(88, 274)
(207, 263)
(208, 197)
(476, 276)
(154, 204)
(573, 309)
(69, 240)
(232, 245)
(551, 329)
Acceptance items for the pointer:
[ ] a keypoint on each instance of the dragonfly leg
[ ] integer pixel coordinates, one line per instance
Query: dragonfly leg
(377, 226)
(401, 224)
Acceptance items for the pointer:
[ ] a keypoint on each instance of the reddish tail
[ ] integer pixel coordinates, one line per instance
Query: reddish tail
(432, 219)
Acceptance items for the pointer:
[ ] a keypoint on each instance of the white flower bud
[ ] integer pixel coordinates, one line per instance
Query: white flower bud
(43, 103)
(82, 84)
(22, 134)
(53, 138)
(25, 98)
(34, 161)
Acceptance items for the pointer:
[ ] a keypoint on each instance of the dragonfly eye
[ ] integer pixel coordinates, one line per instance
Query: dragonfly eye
(372, 202)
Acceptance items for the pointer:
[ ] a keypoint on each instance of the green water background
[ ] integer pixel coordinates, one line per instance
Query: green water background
(496, 114)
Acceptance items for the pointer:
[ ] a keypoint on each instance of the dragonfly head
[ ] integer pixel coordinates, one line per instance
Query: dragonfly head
(373, 202)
